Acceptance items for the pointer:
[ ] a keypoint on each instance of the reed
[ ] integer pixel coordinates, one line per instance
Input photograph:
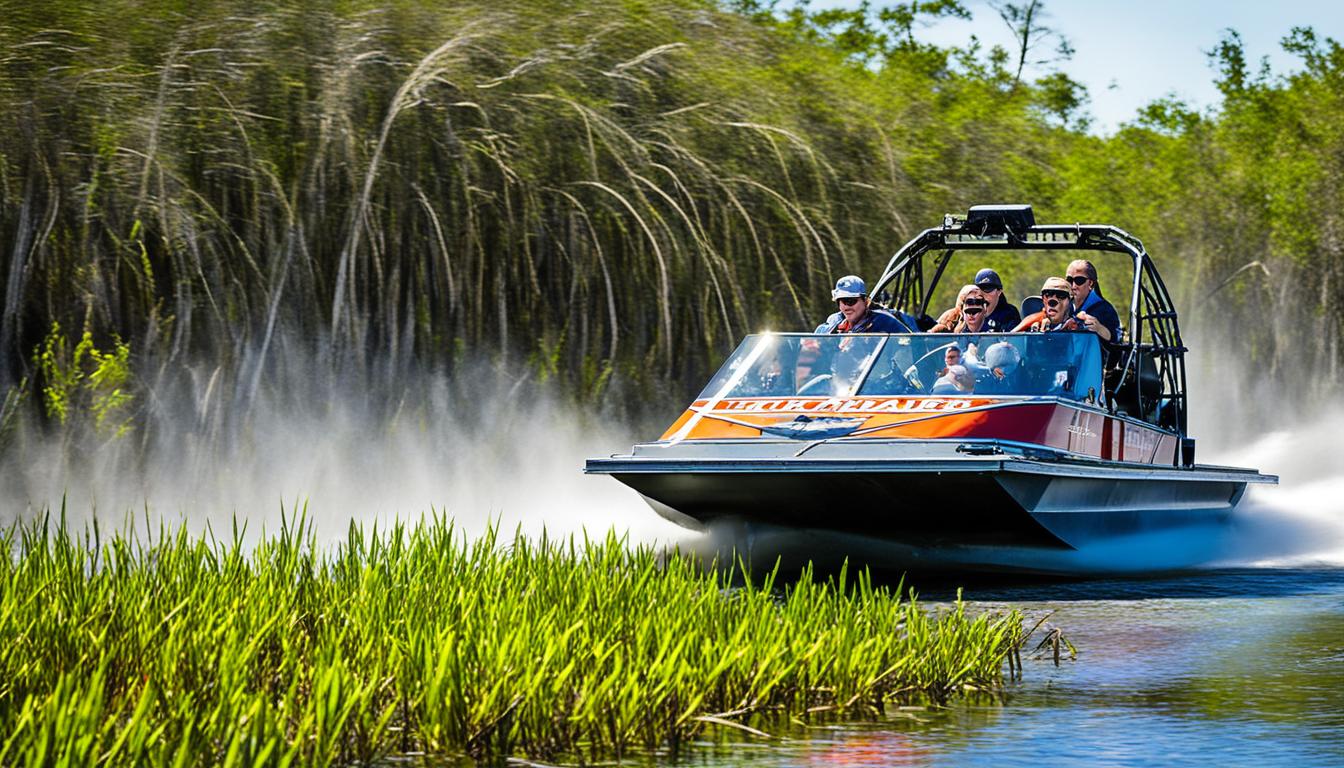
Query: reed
(170, 648)
(602, 191)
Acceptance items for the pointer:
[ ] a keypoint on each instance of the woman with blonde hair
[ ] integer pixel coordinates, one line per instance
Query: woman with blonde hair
(974, 313)
(949, 320)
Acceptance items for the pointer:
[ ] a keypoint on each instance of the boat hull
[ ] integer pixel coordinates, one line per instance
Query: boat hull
(953, 504)
(982, 506)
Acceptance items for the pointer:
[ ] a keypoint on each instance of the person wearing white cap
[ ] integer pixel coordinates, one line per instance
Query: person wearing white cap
(957, 380)
(857, 314)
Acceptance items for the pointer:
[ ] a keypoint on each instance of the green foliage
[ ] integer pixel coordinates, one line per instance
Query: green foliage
(86, 381)
(1244, 207)
(385, 186)
(396, 181)
(173, 649)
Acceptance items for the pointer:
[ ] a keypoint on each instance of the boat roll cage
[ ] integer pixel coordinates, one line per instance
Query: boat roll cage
(1146, 368)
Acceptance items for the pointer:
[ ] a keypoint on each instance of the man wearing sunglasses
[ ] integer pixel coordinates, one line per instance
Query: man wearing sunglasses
(1094, 312)
(1057, 312)
(1001, 316)
(857, 314)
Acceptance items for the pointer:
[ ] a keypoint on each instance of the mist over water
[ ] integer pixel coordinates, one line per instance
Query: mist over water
(1299, 523)
(509, 450)
(1247, 420)
(509, 454)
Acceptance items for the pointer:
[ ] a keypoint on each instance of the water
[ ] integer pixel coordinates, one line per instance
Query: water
(1238, 664)
(1226, 668)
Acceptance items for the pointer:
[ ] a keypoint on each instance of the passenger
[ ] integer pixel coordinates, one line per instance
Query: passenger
(1058, 312)
(950, 358)
(847, 365)
(975, 314)
(1002, 315)
(1094, 312)
(949, 319)
(857, 314)
(774, 373)
(957, 381)
(1002, 360)
(998, 374)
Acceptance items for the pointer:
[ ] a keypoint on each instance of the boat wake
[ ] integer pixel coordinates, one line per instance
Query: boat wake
(1299, 523)
(1296, 524)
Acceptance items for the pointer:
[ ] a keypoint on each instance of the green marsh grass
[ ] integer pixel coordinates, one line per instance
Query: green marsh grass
(178, 649)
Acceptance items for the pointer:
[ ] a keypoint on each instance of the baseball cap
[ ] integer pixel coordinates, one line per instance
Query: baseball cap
(1056, 283)
(988, 278)
(849, 287)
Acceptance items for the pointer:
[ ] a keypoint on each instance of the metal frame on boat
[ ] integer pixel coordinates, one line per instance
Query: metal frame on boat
(839, 436)
(1153, 367)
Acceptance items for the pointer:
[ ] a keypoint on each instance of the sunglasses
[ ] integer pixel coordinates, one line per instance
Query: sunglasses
(975, 303)
(974, 310)
(850, 301)
(1078, 279)
(1054, 294)
(987, 287)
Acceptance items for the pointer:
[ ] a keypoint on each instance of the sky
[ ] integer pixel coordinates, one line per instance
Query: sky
(1129, 54)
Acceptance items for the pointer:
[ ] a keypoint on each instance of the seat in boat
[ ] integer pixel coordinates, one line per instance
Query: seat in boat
(1031, 305)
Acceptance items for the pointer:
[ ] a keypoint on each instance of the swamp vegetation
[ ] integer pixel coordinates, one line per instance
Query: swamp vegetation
(606, 195)
(174, 649)
(206, 206)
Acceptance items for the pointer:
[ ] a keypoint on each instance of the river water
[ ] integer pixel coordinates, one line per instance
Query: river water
(1234, 665)
(1227, 667)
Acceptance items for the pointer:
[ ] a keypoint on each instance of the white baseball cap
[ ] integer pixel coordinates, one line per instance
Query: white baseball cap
(849, 287)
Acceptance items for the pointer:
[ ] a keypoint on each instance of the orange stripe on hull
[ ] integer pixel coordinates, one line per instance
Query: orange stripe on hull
(1055, 425)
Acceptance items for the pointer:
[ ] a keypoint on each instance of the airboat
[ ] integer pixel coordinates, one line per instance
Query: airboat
(847, 443)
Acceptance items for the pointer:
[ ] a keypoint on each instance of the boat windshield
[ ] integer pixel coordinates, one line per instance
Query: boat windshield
(1064, 365)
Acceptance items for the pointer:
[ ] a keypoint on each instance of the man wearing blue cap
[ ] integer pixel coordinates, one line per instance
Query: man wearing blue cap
(857, 314)
(1003, 316)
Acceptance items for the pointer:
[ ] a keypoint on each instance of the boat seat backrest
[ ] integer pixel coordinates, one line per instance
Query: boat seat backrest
(1148, 382)
(1031, 305)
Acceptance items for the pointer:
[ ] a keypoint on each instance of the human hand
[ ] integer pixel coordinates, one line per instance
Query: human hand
(1088, 321)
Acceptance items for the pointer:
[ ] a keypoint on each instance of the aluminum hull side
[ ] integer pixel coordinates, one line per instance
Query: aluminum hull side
(937, 500)
(924, 507)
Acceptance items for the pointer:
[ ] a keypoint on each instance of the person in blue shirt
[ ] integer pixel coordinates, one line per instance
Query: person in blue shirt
(1003, 316)
(858, 315)
(1093, 311)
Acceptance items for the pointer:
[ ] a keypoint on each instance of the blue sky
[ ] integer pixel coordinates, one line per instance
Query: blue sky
(1131, 53)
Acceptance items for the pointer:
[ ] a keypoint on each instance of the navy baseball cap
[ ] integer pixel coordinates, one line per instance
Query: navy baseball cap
(988, 278)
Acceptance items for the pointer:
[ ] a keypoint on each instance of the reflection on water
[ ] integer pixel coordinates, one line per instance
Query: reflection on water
(1230, 668)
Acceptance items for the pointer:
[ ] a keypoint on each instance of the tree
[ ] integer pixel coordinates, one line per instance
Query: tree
(902, 18)
(1026, 23)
